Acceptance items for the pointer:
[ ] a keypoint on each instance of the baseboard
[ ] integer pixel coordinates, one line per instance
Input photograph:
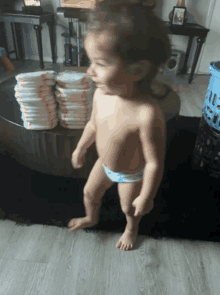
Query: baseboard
(189, 71)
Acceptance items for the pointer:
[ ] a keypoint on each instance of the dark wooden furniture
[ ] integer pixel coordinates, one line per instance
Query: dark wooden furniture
(73, 54)
(191, 30)
(16, 18)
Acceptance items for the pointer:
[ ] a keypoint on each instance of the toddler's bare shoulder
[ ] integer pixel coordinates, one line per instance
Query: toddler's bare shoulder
(149, 112)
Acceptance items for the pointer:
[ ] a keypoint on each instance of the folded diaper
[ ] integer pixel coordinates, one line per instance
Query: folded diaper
(74, 96)
(72, 119)
(30, 84)
(38, 104)
(41, 121)
(70, 94)
(72, 115)
(39, 110)
(82, 104)
(36, 117)
(29, 125)
(33, 90)
(37, 101)
(41, 94)
(36, 76)
(72, 79)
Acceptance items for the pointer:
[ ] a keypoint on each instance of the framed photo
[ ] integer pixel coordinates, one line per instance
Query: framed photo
(178, 16)
(32, 3)
(84, 4)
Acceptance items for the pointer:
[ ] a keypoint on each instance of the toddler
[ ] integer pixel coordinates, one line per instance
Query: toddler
(126, 44)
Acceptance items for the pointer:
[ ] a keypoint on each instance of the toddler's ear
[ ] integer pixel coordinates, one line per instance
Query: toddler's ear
(140, 69)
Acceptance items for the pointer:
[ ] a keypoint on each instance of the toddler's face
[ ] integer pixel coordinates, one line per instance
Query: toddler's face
(105, 70)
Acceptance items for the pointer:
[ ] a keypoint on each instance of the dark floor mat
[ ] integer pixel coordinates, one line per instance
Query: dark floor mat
(186, 205)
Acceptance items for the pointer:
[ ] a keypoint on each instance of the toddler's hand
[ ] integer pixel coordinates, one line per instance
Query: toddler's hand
(78, 159)
(142, 206)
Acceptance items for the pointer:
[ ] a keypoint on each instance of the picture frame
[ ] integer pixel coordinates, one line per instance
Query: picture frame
(81, 4)
(32, 3)
(178, 16)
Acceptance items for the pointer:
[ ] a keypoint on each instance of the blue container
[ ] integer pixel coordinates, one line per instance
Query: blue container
(206, 155)
(211, 109)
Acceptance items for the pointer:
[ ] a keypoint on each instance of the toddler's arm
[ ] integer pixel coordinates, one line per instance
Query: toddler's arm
(87, 139)
(89, 133)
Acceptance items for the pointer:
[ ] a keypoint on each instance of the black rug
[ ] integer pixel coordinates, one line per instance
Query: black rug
(186, 205)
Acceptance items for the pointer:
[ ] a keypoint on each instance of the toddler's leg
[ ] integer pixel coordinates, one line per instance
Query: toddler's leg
(128, 192)
(129, 237)
(92, 208)
(94, 190)
(91, 218)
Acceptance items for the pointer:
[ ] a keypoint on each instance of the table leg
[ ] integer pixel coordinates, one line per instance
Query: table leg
(13, 35)
(38, 29)
(19, 40)
(184, 69)
(4, 42)
(52, 43)
(200, 42)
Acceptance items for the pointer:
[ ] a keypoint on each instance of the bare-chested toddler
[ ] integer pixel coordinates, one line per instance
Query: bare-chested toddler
(126, 45)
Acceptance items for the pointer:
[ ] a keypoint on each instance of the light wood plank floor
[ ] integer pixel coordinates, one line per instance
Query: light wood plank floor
(48, 260)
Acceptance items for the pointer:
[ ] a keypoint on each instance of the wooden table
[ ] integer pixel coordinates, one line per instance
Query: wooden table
(46, 151)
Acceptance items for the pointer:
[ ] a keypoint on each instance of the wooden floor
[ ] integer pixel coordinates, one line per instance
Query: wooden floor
(48, 260)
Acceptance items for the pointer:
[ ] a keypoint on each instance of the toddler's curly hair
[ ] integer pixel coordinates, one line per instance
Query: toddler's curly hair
(137, 32)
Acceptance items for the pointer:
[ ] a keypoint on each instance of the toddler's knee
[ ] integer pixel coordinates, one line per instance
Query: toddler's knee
(128, 210)
(87, 195)
(93, 197)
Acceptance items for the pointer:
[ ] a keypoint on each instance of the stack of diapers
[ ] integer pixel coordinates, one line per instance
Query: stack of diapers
(74, 93)
(35, 93)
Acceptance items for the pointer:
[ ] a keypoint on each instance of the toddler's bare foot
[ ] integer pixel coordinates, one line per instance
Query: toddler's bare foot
(128, 239)
(79, 223)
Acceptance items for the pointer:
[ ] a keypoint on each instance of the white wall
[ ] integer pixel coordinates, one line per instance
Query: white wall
(211, 48)
(197, 13)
